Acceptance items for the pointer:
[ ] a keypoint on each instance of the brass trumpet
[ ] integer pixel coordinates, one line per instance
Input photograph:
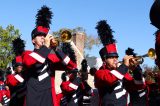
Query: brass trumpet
(65, 36)
(151, 54)
(140, 59)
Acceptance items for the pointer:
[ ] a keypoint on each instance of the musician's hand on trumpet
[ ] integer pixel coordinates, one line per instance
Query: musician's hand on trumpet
(133, 63)
(54, 42)
(50, 41)
(130, 61)
(126, 60)
(47, 40)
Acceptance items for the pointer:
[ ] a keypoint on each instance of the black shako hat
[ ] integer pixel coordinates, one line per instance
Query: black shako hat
(105, 34)
(43, 21)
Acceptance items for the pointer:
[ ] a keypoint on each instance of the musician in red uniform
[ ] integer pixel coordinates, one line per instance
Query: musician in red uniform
(76, 91)
(16, 85)
(4, 90)
(137, 88)
(16, 78)
(42, 62)
(71, 81)
(70, 89)
(109, 78)
(16, 81)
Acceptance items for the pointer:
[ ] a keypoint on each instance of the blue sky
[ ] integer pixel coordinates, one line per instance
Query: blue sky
(128, 18)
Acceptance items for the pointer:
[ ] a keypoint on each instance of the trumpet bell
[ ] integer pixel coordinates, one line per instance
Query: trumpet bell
(151, 53)
(66, 36)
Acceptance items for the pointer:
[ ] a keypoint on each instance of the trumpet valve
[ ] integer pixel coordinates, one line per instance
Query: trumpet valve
(140, 60)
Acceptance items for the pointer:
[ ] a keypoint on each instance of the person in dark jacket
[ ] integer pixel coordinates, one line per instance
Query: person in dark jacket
(42, 62)
(138, 90)
(15, 81)
(109, 79)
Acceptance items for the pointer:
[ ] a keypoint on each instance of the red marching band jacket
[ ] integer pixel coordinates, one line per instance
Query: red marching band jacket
(111, 88)
(17, 88)
(68, 88)
(137, 88)
(4, 94)
(14, 79)
(55, 61)
(73, 91)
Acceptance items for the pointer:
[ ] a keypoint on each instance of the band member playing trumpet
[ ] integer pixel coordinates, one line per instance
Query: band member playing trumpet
(138, 90)
(42, 62)
(109, 79)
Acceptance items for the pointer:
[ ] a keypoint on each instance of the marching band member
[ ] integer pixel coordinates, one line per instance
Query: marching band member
(87, 91)
(16, 81)
(109, 78)
(17, 86)
(76, 91)
(4, 90)
(42, 62)
(71, 90)
(71, 81)
(137, 88)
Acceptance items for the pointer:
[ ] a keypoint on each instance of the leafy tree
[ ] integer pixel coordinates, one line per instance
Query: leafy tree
(90, 41)
(151, 73)
(155, 68)
(78, 29)
(6, 37)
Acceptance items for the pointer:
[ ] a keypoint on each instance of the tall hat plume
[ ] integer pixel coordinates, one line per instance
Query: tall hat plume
(84, 65)
(68, 50)
(44, 17)
(84, 70)
(18, 48)
(43, 21)
(130, 51)
(105, 34)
